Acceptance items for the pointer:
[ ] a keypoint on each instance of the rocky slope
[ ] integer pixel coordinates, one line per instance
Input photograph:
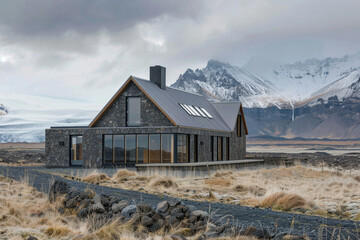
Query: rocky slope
(312, 99)
(3, 110)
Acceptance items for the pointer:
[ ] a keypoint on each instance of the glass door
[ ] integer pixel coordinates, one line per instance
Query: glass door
(76, 153)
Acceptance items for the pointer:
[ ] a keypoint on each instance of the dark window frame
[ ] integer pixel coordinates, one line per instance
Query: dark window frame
(127, 111)
(70, 149)
(239, 120)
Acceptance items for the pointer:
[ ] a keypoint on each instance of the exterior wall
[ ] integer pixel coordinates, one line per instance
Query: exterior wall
(151, 115)
(238, 144)
(59, 156)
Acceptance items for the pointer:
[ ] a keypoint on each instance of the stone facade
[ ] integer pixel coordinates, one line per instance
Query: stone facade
(151, 115)
(57, 146)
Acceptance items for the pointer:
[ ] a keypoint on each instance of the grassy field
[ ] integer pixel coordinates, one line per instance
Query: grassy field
(298, 188)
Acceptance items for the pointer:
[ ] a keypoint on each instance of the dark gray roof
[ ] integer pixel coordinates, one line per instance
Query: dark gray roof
(168, 100)
(228, 111)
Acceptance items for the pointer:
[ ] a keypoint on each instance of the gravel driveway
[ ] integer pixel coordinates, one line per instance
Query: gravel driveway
(312, 226)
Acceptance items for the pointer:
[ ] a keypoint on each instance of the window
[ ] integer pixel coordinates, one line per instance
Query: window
(182, 148)
(239, 126)
(154, 149)
(195, 148)
(143, 148)
(167, 148)
(220, 149)
(215, 144)
(76, 151)
(133, 110)
(108, 149)
(119, 149)
(212, 148)
(130, 146)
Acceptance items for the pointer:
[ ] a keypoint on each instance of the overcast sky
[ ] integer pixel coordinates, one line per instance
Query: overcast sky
(85, 49)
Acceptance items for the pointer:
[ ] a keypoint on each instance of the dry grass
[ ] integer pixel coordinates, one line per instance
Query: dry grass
(283, 201)
(123, 175)
(324, 190)
(96, 178)
(25, 212)
(165, 182)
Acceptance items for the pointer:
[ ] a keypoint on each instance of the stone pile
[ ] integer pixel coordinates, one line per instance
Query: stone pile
(168, 214)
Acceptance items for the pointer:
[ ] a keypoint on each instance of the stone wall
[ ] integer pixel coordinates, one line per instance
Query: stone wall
(151, 115)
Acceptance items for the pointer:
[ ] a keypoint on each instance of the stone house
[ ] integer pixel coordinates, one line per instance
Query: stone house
(148, 122)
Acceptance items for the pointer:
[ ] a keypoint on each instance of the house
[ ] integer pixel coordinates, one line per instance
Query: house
(148, 122)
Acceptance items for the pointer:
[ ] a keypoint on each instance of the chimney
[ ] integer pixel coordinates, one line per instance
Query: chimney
(158, 76)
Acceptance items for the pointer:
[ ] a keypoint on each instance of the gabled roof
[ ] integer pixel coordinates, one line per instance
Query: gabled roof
(168, 101)
(229, 112)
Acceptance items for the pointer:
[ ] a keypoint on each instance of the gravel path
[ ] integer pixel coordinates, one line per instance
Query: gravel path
(313, 226)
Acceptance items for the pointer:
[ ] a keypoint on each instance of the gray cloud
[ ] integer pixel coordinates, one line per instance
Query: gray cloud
(98, 44)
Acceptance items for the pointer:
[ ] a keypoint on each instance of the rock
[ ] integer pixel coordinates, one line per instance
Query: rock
(105, 201)
(174, 202)
(156, 226)
(73, 193)
(32, 238)
(72, 203)
(97, 199)
(177, 212)
(128, 211)
(113, 200)
(146, 221)
(97, 208)
(86, 194)
(83, 213)
(144, 208)
(58, 188)
(191, 208)
(220, 229)
(118, 207)
(171, 221)
(200, 213)
(162, 207)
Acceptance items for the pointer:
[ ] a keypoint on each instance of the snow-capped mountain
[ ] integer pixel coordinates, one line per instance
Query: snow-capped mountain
(311, 99)
(27, 116)
(284, 86)
(220, 81)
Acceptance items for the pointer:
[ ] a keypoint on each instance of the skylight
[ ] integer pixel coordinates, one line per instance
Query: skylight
(207, 113)
(195, 111)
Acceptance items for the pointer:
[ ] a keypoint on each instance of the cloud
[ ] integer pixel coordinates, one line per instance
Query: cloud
(92, 46)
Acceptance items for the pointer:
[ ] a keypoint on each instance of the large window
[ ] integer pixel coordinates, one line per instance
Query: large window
(219, 149)
(167, 148)
(139, 148)
(108, 149)
(225, 148)
(76, 151)
(130, 143)
(119, 149)
(214, 145)
(143, 148)
(154, 149)
(133, 111)
(195, 148)
(182, 148)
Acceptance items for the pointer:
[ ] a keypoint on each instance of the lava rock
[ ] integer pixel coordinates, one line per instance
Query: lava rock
(162, 207)
(58, 188)
(83, 213)
(146, 221)
(118, 207)
(128, 211)
(97, 208)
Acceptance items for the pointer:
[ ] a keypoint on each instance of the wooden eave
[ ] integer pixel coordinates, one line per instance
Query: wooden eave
(243, 118)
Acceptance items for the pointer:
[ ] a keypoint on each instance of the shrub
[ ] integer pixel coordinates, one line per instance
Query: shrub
(123, 174)
(283, 201)
(218, 182)
(96, 178)
(166, 182)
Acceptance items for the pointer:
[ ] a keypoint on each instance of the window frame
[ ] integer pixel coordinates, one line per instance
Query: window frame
(128, 109)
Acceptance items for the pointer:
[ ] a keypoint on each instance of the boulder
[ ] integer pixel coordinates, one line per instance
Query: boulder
(174, 202)
(200, 213)
(86, 194)
(83, 213)
(97, 199)
(146, 221)
(144, 208)
(128, 211)
(162, 207)
(71, 203)
(118, 207)
(73, 193)
(58, 188)
(97, 208)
